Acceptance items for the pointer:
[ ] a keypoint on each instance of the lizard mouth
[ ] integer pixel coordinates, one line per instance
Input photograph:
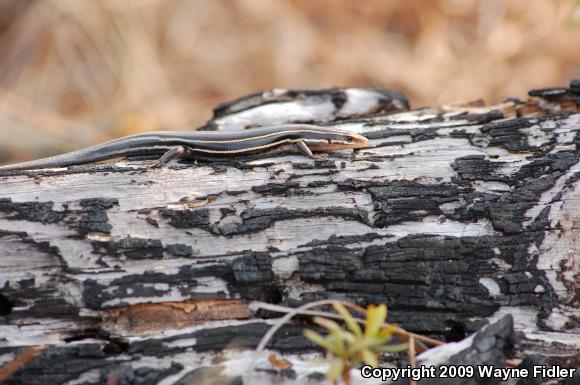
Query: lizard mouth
(359, 141)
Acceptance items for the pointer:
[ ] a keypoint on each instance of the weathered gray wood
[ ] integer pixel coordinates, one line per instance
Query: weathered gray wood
(452, 216)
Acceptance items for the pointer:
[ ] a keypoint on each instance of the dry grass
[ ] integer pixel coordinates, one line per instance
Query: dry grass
(75, 72)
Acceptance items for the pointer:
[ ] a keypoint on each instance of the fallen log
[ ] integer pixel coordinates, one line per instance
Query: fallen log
(453, 216)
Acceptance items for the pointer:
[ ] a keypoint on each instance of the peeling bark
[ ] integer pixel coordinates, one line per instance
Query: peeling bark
(453, 216)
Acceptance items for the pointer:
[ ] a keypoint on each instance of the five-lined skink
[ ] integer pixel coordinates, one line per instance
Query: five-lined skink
(300, 138)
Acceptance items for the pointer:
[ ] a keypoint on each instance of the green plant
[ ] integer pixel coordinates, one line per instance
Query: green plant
(352, 346)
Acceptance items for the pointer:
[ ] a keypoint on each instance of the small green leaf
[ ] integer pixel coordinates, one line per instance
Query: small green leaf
(358, 345)
(334, 328)
(372, 341)
(335, 370)
(327, 324)
(387, 332)
(375, 318)
(348, 319)
(337, 345)
(317, 339)
(370, 358)
(392, 348)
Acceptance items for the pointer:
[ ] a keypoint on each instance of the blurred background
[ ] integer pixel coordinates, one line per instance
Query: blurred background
(78, 72)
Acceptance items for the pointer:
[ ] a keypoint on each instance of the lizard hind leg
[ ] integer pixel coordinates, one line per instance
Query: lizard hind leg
(177, 152)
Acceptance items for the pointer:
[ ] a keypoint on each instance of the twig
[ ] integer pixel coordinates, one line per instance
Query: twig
(289, 314)
(19, 361)
(412, 357)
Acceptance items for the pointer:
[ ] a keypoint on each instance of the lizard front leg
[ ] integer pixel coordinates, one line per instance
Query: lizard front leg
(177, 152)
(307, 152)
